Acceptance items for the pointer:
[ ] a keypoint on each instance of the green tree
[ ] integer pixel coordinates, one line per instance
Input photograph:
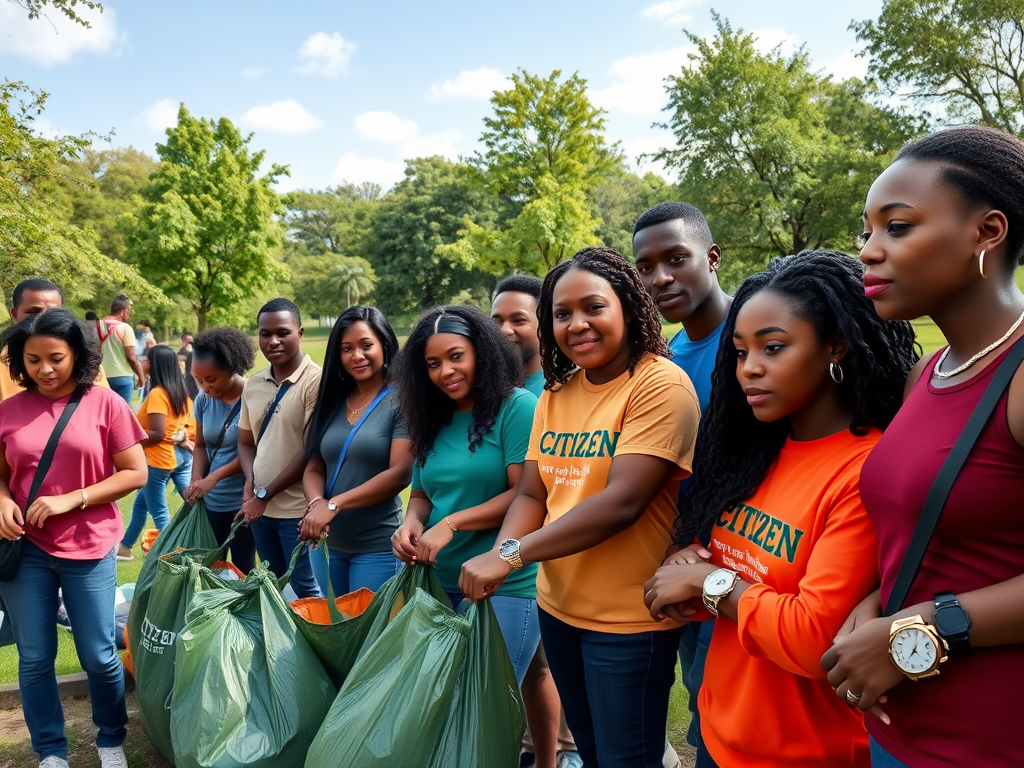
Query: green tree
(206, 227)
(37, 8)
(333, 221)
(966, 57)
(35, 238)
(545, 151)
(779, 157)
(327, 284)
(619, 199)
(424, 212)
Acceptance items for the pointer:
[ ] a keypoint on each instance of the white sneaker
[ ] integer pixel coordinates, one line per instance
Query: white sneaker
(52, 761)
(112, 757)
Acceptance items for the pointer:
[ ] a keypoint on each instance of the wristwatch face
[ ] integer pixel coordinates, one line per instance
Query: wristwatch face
(718, 582)
(332, 506)
(261, 493)
(913, 650)
(508, 548)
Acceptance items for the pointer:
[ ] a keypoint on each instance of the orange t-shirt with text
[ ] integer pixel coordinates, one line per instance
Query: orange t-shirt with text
(578, 429)
(805, 544)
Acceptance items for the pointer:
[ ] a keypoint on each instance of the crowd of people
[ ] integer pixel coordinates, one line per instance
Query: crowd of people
(752, 500)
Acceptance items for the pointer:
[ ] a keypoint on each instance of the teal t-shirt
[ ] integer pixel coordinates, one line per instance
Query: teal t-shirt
(535, 382)
(455, 479)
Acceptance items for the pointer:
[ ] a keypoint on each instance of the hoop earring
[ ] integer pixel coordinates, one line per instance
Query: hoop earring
(835, 372)
(981, 263)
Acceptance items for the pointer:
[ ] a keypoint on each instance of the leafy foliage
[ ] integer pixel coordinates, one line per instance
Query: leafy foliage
(37, 8)
(206, 225)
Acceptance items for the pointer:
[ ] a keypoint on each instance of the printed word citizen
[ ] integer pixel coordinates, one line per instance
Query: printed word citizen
(579, 445)
(769, 533)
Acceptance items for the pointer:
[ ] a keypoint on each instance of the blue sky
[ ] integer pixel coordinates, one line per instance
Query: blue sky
(346, 91)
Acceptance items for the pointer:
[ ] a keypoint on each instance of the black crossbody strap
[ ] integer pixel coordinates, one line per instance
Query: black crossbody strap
(943, 484)
(51, 446)
(281, 392)
(223, 431)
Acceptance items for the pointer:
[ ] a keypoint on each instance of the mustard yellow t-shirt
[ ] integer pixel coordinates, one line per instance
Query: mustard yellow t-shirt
(577, 431)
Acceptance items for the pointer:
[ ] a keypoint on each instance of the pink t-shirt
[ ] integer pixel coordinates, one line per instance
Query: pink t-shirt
(102, 426)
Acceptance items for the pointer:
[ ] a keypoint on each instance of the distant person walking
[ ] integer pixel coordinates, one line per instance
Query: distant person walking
(117, 339)
(185, 354)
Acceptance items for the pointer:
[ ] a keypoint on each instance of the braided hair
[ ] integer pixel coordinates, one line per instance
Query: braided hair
(986, 166)
(643, 325)
(425, 409)
(734, 450)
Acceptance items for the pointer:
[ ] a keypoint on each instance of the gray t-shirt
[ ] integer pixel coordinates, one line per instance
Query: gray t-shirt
(367, 529)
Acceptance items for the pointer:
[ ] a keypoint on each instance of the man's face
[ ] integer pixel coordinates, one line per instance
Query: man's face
(515, 313)
(34, 302)
(676, 268)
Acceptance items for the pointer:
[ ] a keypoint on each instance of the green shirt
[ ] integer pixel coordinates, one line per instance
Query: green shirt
(535, 382)
(455, 479)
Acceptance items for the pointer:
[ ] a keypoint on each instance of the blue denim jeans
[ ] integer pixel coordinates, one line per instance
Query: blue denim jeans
(614, 690)
(123, 386)
(89, 588)
(351, 572)
(276, 538)
(152, 497)
(882, 759)
(693, 653)
(517, 618)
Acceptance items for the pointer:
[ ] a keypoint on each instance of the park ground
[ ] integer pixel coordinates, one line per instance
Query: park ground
(16, 751)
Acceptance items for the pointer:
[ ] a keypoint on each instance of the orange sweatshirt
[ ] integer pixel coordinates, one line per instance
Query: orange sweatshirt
(805, 544)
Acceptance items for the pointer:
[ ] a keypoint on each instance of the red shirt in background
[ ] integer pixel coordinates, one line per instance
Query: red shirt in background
(102, 426)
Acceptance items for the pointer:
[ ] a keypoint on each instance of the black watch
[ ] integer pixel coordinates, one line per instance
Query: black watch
(952, 624)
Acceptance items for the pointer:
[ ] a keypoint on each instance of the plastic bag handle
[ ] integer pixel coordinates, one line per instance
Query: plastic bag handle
(332, 608)
(300, 548)
(218, 553)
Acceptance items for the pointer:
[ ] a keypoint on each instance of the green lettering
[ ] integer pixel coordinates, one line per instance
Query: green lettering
(762, 523)
(608, 441)
(726, 516)
(593, 444)
(581, 445)
(547, 447)
(774, 527)
(563, 438)
(790, 541)
(750, 514)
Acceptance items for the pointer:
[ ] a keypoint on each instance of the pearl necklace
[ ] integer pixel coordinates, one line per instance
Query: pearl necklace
(977, 357)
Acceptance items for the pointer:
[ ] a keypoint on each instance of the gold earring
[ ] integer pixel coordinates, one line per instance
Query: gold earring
(981, 262)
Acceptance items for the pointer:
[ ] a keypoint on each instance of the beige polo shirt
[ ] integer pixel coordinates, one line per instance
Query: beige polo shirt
(283, 438)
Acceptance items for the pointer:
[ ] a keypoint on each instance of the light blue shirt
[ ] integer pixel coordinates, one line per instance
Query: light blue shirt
(226, 496)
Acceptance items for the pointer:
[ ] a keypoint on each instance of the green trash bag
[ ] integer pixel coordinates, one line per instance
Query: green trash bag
(188, 529)
(248, 689)
(338, 644)
(180, 576)
(435, 690)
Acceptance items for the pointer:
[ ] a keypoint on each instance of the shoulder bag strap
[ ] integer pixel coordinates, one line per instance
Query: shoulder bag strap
(281, 391)
(943, 484)
(352, 433)
(51, 446)
(223, 431)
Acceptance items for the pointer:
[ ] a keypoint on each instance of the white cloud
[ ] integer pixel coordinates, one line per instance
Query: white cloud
(357, 168)
(251, 73)
(775, 37)
(281, 117)
(846, 65)
(647, 144)
(55, 39)
(326, 55)
(160, 115)
(475, 84)
(670, 13)
(638, 86)
(443, 143)
(386, 127)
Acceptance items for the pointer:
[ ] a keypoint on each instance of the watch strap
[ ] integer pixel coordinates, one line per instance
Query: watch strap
(957, 639)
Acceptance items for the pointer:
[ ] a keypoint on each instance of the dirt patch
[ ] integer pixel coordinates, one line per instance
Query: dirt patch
(16, 748)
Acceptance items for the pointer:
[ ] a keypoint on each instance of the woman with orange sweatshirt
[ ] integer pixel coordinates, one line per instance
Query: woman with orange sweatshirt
(806, 378)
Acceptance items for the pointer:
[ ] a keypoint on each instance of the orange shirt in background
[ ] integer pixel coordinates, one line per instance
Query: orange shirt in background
(577, 430)
(805, 544)
(162, 455)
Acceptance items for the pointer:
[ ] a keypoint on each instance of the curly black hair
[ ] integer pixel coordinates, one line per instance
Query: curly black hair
(60, 324)
(986, 166)
(643, 325)
(227, 348)
(335, 386)
(734, 450)
(425, 408)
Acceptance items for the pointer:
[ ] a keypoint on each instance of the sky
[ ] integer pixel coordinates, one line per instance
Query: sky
(344, 91)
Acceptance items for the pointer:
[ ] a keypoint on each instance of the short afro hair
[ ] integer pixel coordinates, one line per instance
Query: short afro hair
(57, 323)
(227, 348)
(520, 284)
(690, 215)
(33, 284)
(281, 305)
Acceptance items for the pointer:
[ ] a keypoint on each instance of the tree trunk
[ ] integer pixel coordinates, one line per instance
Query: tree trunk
(201, 322)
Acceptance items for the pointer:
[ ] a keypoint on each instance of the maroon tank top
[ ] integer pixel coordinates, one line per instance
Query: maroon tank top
(970, 714)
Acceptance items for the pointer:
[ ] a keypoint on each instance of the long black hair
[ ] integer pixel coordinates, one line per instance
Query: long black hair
(60, 324)
(335, 385)
(165, 372)
(734, 450)
(425, 408)
(643, 325)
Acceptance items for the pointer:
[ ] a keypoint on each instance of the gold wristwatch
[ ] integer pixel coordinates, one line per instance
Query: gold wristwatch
(915, 648)
(509, 552)
(718, 584)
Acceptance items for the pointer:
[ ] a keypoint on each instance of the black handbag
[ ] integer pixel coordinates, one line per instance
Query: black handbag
(943, 484)
(10, 551)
